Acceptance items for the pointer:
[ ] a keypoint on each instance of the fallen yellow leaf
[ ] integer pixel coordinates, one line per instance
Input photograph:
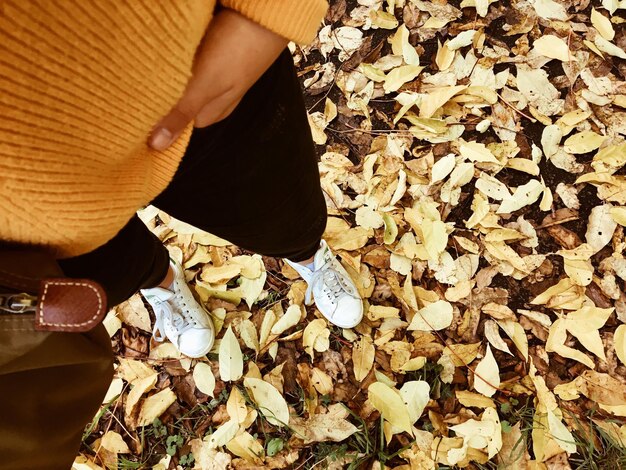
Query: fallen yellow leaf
(553, 47)
(434, 317)
(291, 318)
(203, 378)
(236, 406)
(399, 76)
(113, 442)
(602, 24)
(222, 435)
(487, 375)
(363, 357)
(230, 357)
(246, 447)
(583, 142)
(154, 406)
(269, 400)
(390, 405)
(470, 399)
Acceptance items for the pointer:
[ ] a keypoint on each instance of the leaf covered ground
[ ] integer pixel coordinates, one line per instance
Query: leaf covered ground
(473, 158)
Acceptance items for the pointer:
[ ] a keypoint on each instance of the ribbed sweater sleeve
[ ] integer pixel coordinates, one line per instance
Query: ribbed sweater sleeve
(297, 20)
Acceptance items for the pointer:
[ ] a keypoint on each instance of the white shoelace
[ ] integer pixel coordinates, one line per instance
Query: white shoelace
(333, 279)
(163, 311)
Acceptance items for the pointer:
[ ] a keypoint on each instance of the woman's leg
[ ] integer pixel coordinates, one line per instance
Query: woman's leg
(132, 260)
(253, 177)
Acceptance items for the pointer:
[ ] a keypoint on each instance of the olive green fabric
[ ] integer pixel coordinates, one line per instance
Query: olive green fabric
(51, 386)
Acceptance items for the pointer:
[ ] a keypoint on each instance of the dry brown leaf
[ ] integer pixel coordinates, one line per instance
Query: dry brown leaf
(330, 426)
(492, 334)
(134, 313)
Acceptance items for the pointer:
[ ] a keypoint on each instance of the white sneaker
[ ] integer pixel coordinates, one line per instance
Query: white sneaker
(180, 317)
(329, 284)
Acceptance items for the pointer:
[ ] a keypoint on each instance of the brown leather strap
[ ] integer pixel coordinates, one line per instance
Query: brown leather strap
(23, 270)
(72, 305)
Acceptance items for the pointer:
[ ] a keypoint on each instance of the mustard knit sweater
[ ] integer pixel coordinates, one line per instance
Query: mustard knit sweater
(82, 83)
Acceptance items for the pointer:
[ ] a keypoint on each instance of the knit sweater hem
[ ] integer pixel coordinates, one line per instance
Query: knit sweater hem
(293, 19)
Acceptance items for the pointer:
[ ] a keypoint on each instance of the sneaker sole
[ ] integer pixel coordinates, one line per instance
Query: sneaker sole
(346, 326)
(203, 353)
(332, 322)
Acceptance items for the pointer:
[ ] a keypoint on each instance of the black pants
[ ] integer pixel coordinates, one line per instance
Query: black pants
(251, 179)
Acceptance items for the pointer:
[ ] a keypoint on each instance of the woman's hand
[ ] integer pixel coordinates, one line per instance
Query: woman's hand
(235, 52)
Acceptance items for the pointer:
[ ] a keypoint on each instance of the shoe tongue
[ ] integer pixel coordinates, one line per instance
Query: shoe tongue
(321, 257)
(161, 293)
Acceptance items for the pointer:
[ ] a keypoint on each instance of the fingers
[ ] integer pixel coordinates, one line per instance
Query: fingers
(206, 100)
(169, 128)
(197, 94)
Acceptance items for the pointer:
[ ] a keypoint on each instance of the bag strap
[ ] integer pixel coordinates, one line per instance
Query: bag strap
(23, 270)
(33, 281)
